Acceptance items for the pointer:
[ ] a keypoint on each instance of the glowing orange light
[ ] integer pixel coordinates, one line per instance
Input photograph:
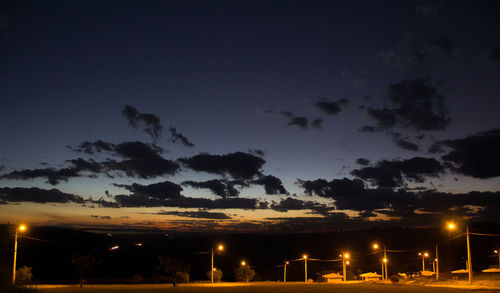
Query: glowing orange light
(375, 246)
(426, 254)
(451, 226)
(384, 260)
(346, 255)
(221, 247)
(495, 251)
(22, 228)
(114, 247)
(243, 263)
(347, 262)
(287, 262)
(304, 256)
(215, 269)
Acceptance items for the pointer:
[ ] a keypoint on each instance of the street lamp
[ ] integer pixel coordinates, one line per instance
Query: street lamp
(305, 266)
(243, 263)
(345, 257)
(219, 248)
(19, 229)
(284, 271)
(497, 253)
(383, 262)
(424, 255)
(452, 226)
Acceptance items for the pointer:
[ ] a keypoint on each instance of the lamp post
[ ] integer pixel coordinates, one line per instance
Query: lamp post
(284, 271)
(424, 255)
(345, 262)
(219, 248)
(498, 253)
(383, 261)
(19, 229)
(436, 261)
(452, 226)
(305, 266)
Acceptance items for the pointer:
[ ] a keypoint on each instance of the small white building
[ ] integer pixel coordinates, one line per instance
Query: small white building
(371, 276)
(333, 278)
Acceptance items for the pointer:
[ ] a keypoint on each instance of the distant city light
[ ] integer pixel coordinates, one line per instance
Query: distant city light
(243, 263)
(138, 244)
(114, 247)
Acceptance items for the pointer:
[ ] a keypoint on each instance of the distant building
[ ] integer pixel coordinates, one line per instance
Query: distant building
(333, 278)
(371, 276)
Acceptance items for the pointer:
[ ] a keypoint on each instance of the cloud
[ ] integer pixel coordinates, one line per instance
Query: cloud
(476, 155)
(257, 152)
(200, 214)
(494, 55)
(135, 200)
(444, 44)
(161, 190)
(362, 161)
(415, 103)
(427, 8)
(300, 121)
(141, 160)
(38, 195)
(332, 107)
(317, 123)
(223, 188)
(93, 147)
(177, 136)
(101, 217)
(397, 172)
(55, 176)
(149, 123)
(239, 165)
(290, 203)
(404, 142)
(272, 185)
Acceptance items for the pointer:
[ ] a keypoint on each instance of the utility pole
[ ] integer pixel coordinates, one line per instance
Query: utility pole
(469, 261)
(305, 268)
(437, 263)
(284, 272)
(385, 263)
(212, 270)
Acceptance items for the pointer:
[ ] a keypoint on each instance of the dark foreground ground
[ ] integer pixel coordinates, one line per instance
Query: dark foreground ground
(258, 287)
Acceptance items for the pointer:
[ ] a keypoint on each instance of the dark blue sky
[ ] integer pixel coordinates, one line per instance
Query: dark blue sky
(234, 76)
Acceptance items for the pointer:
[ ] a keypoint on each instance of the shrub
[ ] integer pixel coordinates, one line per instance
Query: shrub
(24, 276)
(394, 279)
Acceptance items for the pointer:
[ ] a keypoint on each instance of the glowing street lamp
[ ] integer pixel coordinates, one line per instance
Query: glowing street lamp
(452, 226)
(345, 257)
(219, 248)
(497, 253)
(424, 255)
(19, 229)
(383, 262)
(305, 266)
(243, 263)
(284, 270)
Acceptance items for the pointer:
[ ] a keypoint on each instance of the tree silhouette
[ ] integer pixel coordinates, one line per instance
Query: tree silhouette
(83, 263)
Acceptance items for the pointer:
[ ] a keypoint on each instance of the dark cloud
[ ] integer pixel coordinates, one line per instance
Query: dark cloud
(200, 214)
(404, 142)
(55, 176)
(416, 104)
(239, 165)
(177, 136)
(149, 123)
(257, 152)
(427, 8)
(317, 123)
(443, 43)
(161, 190)
(295, 204)
(272, 185)
(93, 147)
(476, 155)
(395, 173)
(299, 121)
(362, 161)
(494, 55)
(368, 128)
(135, 200)
(223, 188)
(38, 195)
(332, 107)
(142, 160)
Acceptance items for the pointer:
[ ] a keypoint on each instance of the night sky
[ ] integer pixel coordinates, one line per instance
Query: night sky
(268, 116)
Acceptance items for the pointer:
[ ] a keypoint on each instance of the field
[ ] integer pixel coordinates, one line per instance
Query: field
(256, 287)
